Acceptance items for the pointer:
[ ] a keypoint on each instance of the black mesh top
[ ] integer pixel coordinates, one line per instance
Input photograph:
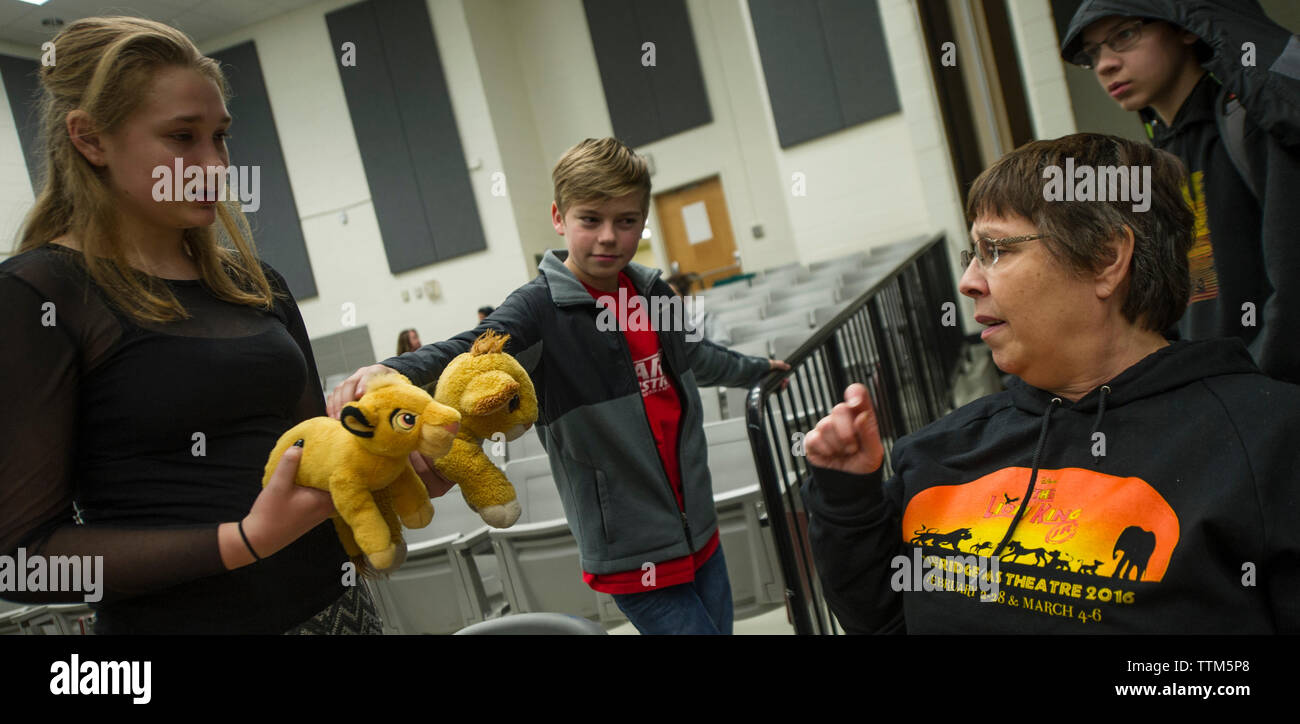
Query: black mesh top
(153, 434)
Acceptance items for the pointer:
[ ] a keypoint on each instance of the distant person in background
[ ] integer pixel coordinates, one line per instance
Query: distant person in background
(483, 312)
(696, 317)
(1181, 67)
(407, 340)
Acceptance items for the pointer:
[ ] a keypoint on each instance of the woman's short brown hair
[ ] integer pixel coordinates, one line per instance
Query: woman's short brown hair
(1078, 232)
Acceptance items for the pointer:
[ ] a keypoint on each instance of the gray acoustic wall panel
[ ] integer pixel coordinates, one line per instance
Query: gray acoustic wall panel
(21, 86)
(825, 63)
(343, 353)
(677, 83)
(800, 84)
(855, 42)
(407, 133)
(255, 140)
(647, 103)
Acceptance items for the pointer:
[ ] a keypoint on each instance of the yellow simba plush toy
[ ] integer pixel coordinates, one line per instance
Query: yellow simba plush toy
(361, 460)
(492, 393)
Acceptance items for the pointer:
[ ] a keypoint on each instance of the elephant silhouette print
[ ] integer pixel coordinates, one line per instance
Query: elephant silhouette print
(1137, 544)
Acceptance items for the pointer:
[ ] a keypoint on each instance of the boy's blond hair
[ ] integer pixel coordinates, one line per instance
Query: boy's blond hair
(599, 169)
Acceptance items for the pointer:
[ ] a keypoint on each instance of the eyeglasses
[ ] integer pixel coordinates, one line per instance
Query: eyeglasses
(986, 250)
(1120, 40)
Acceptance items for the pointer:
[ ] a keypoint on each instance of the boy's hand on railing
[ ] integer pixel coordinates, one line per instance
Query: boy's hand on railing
(780, 364)
(848, 439)
(351, 389)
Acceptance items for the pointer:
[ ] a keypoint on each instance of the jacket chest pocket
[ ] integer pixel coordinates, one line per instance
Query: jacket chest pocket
(602, 496)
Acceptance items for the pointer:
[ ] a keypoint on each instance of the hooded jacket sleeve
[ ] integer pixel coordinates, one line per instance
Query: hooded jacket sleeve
(1269, 441)
(513, 317)
(1274, 349)
(854, 529)
(714, 365)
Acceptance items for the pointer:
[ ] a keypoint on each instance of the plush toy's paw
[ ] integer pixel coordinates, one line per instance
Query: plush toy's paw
(420, 517)
(386, 560)
(399, 557)
(501, 516)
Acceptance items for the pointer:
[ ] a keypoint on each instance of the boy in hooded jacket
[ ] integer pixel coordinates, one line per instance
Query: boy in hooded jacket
(1217, 84)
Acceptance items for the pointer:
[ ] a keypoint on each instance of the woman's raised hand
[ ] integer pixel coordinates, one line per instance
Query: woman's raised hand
(848, 439)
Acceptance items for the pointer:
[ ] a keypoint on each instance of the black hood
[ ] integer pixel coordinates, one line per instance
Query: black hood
(1166, 369)
(1198, 16)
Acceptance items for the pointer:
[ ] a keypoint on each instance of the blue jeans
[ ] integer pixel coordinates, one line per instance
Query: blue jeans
(702, 606)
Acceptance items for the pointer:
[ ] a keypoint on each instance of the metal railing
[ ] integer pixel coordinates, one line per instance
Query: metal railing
(893, 339)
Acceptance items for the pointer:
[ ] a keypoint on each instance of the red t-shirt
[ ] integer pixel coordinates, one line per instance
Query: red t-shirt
(663, 410)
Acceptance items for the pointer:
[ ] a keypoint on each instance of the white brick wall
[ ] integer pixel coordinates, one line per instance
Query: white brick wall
(1040, 66)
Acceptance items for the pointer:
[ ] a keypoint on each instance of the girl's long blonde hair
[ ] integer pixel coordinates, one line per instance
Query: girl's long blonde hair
(104, 67)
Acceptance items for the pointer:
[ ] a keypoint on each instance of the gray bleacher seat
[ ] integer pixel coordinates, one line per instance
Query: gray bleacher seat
(733, 399)
(541, 571)
(14, 622)
(9, 625)
(722, 293)
(427, 595)
(868, 273)
(786, 274)
(854, 289)
(800, 297)
(527, 445)
(451, 516)
(822, 316)
(710, 404)
(748, 301)
(784, 345)
(755, 348)
(535, 624)
(897, 250)
(752, 565)
(56, 619)
(759, 331)
(731, 460)
(536, 488)
(848, 261)
(733, 317)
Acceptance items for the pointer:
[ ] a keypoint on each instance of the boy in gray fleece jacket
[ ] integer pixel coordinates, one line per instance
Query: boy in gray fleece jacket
(619, 410)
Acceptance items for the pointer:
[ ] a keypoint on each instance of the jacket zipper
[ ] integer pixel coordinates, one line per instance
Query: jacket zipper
(627, 353)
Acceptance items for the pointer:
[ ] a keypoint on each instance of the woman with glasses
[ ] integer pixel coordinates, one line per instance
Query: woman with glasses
(1122, 483)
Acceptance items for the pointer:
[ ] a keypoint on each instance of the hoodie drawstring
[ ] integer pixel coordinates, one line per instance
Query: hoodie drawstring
(1033, 478)
(1096, 425)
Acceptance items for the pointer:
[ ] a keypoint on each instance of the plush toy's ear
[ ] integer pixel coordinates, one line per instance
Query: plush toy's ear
(355, 422)
(487, 392)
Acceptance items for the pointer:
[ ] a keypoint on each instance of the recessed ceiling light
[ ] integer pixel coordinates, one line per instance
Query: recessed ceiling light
(35, 2)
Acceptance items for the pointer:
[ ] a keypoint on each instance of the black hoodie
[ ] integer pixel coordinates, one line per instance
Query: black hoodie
(1247, 250)
(1188, 520)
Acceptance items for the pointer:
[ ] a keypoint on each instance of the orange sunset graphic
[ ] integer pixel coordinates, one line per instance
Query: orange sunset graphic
(1076, 521)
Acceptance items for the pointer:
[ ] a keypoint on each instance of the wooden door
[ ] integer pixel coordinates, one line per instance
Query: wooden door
(697, 230)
